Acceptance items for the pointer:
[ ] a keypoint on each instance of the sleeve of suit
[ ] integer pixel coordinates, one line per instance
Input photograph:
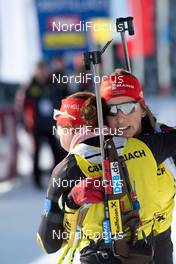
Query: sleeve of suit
(162, 145)
(62, 180)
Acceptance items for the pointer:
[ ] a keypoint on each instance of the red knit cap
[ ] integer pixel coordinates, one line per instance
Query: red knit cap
(69, 112)
(121, 85)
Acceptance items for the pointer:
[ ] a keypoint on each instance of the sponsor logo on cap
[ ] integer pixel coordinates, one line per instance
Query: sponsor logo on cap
(114, 86)
(119, 92)
(71, 106)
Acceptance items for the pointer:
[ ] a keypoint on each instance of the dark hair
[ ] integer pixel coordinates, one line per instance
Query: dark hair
(41, 64)
(149, 121)
(81, 95)
(121, 71)
(89, 112)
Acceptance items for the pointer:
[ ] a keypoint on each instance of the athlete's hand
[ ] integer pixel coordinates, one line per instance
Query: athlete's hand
(89, 190)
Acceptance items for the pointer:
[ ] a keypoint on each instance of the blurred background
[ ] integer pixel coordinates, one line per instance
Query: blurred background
(35, 43)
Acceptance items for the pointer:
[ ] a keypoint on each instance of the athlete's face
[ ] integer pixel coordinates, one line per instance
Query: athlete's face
(130, 123)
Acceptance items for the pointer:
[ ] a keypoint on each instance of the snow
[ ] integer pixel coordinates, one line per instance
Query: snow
(21, 204)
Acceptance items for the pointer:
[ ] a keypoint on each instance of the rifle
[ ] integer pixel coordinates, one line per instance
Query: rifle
(114, 171)
(116, 186)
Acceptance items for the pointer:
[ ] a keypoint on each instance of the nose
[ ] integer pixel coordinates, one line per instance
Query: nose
(120, 117)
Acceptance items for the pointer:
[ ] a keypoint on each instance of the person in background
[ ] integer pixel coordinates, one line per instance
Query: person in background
(79, 70)
(58, 70)
(39, 100)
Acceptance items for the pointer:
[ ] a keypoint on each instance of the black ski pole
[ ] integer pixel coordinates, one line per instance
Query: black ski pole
(125, 24)
(94, 58)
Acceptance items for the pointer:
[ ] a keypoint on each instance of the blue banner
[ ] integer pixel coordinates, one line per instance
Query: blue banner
(66, 24)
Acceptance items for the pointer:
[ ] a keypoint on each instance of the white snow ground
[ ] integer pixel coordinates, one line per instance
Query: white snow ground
(21, 204)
